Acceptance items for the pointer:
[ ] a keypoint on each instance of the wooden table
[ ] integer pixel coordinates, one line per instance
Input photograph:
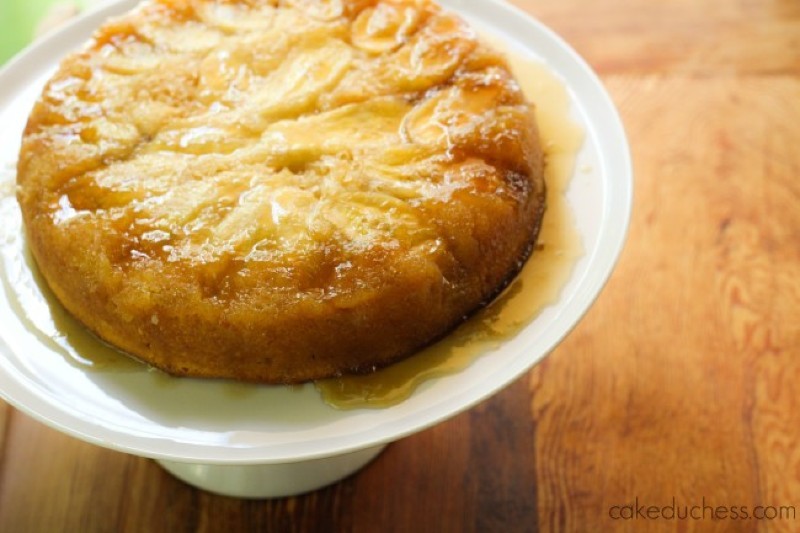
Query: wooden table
(682, 383)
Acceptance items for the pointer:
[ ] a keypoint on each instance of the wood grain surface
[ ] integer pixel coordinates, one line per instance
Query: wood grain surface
(682, 384)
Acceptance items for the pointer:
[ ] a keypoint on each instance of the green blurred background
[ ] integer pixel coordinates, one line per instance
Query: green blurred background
(19, 18)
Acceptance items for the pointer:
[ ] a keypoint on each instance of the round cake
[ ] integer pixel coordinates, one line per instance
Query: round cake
(280, 191)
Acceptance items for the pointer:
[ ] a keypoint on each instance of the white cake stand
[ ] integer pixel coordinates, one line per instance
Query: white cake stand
(252, 441)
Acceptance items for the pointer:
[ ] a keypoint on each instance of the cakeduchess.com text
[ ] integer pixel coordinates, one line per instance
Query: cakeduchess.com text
(703, 510)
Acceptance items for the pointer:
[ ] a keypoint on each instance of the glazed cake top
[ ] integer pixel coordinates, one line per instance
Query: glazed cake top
(299, 140)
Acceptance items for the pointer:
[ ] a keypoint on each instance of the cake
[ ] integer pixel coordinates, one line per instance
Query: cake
(280, 191)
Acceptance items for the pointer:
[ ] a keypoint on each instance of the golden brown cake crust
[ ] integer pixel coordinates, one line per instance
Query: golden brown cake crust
(283, 190)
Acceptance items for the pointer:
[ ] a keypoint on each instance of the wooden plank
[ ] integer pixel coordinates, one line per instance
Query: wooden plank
(701, 38)
(682, 381)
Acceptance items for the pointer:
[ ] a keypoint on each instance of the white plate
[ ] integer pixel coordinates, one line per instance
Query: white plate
(203, 421)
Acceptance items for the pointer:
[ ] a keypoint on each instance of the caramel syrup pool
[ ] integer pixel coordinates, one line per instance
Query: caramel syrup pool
(538, 285)
(33, 302)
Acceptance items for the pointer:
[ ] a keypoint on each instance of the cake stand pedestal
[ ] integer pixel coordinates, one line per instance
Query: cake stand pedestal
(271, 480)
